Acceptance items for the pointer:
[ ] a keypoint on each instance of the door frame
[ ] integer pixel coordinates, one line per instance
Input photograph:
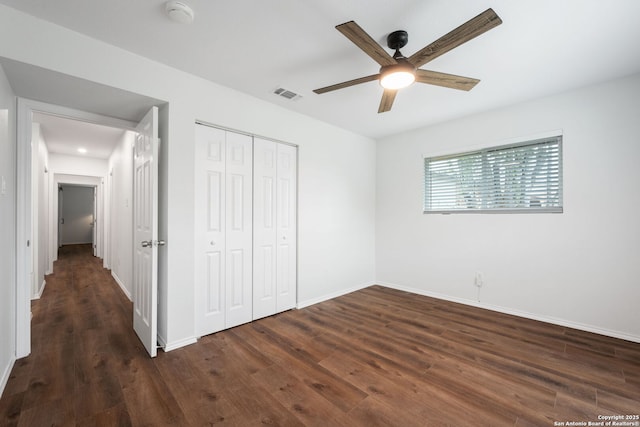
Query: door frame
(25, 109)
(92, 181)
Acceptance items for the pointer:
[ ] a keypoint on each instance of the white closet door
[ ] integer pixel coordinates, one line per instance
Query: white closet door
(210, 268)
(239, 229)
(286, 223)
(264, 226)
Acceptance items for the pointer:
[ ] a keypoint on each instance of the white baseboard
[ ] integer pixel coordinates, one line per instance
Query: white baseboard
(5, 374)
(44, 283)
(122, 287)
(38, 294)
(176, 344)
(312, 301)
(519, 313)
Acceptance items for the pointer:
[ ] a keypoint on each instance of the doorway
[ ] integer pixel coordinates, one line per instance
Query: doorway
(77, 175)
(77, 215)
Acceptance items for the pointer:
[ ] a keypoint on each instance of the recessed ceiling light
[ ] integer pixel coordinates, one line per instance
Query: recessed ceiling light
(82, 150)
(179, 12)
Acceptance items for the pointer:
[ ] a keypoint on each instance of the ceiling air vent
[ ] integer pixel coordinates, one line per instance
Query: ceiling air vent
(287, 94)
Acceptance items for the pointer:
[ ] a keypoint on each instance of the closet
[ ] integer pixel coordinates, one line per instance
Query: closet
(245, 228)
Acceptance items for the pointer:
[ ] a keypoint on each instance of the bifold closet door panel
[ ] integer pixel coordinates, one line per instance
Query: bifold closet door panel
(274, 227)
(239, 244)
(210, 265)
(286, 226)
(264, 228)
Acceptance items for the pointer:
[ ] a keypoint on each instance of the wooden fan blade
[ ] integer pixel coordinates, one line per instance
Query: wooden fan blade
(465, 32)
(386, 102)
(347, 84)
(445, 80)
(360, 38)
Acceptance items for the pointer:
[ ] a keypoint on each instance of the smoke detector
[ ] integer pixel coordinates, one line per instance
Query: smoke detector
(179, 12)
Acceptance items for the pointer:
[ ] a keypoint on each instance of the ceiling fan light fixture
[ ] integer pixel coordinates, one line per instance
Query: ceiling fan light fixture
(397, 76)
(397, 79)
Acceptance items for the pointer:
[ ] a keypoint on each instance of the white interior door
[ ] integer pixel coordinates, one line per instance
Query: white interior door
(238, 237)
(286, 222)
(274, 228)
(145, 212)
(60, 216)
(210, 229)
(264, 228)
(94, 222)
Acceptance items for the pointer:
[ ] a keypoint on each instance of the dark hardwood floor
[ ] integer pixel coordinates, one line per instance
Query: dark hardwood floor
(376, 357)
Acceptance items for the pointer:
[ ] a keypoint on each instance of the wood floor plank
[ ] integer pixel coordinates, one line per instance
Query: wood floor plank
(57, 412)
(371, 412)
(307, 405)
(418, 399)
(114, 416)
(20, 377)
(199, 393)
(342, 394)
(258, 407)
(10, 409)
(617, 404)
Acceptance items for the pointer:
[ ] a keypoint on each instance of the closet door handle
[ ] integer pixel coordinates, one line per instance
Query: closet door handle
(145, 243)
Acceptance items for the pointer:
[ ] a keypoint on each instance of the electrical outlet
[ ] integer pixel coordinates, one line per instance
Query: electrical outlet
(479, 280)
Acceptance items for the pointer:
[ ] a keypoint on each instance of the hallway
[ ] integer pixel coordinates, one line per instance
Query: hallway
(82, 342)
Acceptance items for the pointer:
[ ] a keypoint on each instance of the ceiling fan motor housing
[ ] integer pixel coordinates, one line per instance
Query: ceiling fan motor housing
(402, 65)
(397, 39)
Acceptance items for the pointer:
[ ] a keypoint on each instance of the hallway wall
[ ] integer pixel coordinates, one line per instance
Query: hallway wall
(120, 180)
(41, 204)
(77, 165)
(7, 230)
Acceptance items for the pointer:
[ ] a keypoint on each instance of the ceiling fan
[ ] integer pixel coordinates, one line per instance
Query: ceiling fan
(397, 71)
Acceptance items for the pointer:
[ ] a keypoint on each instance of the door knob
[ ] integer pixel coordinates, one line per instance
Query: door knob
(160, 243)
(145, 243)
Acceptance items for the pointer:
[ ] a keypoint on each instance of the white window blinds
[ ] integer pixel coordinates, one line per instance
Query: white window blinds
(524, 177)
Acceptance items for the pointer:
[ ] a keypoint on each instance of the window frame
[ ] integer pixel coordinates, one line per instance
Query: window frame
(483, 151)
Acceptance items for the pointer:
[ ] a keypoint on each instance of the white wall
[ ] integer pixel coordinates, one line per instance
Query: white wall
(578, 268)
(336, 167)
(7, 230)
(77, 213)
(44, 211)
(77, 165)
(120, 180)
(41, 188)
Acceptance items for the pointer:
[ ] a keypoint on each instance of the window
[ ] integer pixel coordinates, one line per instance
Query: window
(523, 177)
